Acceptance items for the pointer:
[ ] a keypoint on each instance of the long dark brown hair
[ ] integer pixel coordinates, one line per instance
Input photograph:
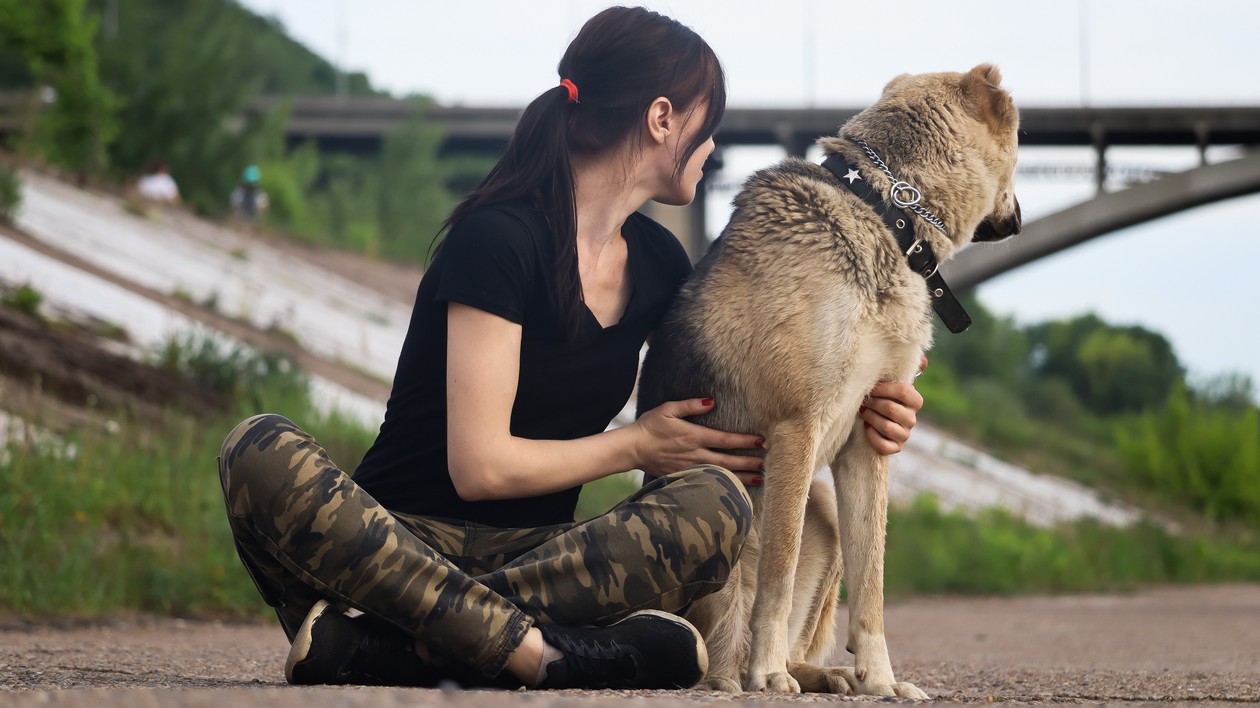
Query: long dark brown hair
(622, 60)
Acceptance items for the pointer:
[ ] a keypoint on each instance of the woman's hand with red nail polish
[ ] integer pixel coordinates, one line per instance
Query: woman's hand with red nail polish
(667, 442)
(888, 415)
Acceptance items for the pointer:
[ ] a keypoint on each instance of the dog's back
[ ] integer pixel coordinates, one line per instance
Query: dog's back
(794, 252)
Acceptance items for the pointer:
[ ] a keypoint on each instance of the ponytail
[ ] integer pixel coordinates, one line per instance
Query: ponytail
(621, 61)
(537, 165)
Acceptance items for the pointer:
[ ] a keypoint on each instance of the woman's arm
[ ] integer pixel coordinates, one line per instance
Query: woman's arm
(487, 462)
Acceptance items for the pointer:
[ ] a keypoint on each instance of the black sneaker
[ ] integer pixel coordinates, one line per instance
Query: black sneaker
(648, 649)
(331, 648)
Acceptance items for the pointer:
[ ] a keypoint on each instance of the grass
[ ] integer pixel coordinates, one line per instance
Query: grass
(134, 521)
(125, 515)
(931, 551)
(24, 298)
(128, 521)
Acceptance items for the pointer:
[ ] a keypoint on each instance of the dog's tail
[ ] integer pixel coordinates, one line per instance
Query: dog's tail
(825, 628)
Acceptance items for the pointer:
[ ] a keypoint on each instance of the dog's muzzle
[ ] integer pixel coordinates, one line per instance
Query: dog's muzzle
(991, 230)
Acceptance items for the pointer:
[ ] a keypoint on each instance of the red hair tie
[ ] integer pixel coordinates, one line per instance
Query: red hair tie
(571, 88)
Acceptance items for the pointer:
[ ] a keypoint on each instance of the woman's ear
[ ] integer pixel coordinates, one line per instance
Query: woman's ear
(660, 118)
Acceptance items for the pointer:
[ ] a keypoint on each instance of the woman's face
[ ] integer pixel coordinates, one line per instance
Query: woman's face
(680, 189)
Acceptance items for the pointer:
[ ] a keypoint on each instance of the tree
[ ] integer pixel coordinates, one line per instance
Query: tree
(49, 49)
(1194, 453)
(992, 347)
(413, 198)
(187, 72)
(1111, 369)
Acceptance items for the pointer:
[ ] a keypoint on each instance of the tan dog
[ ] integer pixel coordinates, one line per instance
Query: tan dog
(802, 306)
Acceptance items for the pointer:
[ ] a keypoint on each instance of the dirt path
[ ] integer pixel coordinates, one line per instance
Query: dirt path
(1197, 644)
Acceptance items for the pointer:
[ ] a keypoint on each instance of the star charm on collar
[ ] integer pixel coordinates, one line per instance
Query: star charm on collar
(853, 176)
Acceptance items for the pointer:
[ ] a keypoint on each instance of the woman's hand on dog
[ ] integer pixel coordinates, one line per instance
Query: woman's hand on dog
(667, 443)
(889, 413)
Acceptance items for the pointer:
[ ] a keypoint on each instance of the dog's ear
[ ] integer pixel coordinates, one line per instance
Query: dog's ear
(989, 101)
(893, 84)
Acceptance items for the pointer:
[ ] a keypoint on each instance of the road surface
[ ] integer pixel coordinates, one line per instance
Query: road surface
(1196, 644)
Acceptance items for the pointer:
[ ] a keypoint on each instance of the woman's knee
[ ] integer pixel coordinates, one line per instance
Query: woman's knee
(717, 499)
(257, 455)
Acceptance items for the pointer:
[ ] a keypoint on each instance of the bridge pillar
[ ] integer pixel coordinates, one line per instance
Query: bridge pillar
(689, 223)
(1202, 133)
(1099, 138)
(686, 223)
(793, 142)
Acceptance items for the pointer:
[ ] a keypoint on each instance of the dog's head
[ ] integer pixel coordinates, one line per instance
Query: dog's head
(964, 136)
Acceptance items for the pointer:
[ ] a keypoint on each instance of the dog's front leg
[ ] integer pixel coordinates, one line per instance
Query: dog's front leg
(861, 477)
(789, 468)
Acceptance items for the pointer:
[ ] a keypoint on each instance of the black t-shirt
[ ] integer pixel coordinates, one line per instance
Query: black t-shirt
(500, 259)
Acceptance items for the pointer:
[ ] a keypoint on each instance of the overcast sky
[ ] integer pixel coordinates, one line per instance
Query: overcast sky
(1188, 276)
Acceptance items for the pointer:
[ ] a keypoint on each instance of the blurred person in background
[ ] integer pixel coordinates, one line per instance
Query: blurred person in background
(455, 541)
(249, 201)
(157, 186)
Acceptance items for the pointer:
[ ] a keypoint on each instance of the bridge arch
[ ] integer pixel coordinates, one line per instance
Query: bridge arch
(1105, 214)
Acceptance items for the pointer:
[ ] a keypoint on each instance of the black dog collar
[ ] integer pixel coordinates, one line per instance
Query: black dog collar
(918, 253)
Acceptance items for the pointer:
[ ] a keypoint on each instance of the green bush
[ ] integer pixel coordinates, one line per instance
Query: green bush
(10, 194)
(24, 298)
(931, 551)
(236, 370)
(1195, 453)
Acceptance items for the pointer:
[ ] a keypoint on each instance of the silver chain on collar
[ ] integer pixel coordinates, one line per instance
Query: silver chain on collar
(899, 189)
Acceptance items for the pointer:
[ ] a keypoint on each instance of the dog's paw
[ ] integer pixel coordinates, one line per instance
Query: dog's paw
(903, 689)
(775, 682)
(722, 683)
(881, 683)
(838, 680)
(899, 689)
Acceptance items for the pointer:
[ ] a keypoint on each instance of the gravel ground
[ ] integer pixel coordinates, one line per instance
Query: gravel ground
(1199, 644)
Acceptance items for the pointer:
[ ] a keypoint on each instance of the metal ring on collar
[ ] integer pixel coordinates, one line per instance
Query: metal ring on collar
(895, 194)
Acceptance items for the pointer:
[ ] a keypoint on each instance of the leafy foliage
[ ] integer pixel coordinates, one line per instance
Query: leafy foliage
(10, 194)
(24, 298)
(125, 514)
(233, 369)
(1104, 404)
(391, 206)
(49, 45)
(177, 82)
(932, 551)
(1111, 369)
(1196, 453)
(413, 196)
(187, 72)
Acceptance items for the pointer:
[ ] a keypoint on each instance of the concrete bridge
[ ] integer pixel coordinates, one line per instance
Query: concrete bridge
(1106, 213)
(360, 125)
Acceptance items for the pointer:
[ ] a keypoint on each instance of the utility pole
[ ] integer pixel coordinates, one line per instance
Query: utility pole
(111, 19)
(1082, 60)
(809, 28)
(342, 88)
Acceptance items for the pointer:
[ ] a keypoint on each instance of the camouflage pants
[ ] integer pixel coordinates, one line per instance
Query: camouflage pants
(305, 532)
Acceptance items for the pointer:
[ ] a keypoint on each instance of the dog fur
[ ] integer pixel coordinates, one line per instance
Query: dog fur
(796, 312)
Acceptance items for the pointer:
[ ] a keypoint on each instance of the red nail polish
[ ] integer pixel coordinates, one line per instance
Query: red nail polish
(759, 442)
(757, 481)
(866, 424)
(706, 402)
(861, 410)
